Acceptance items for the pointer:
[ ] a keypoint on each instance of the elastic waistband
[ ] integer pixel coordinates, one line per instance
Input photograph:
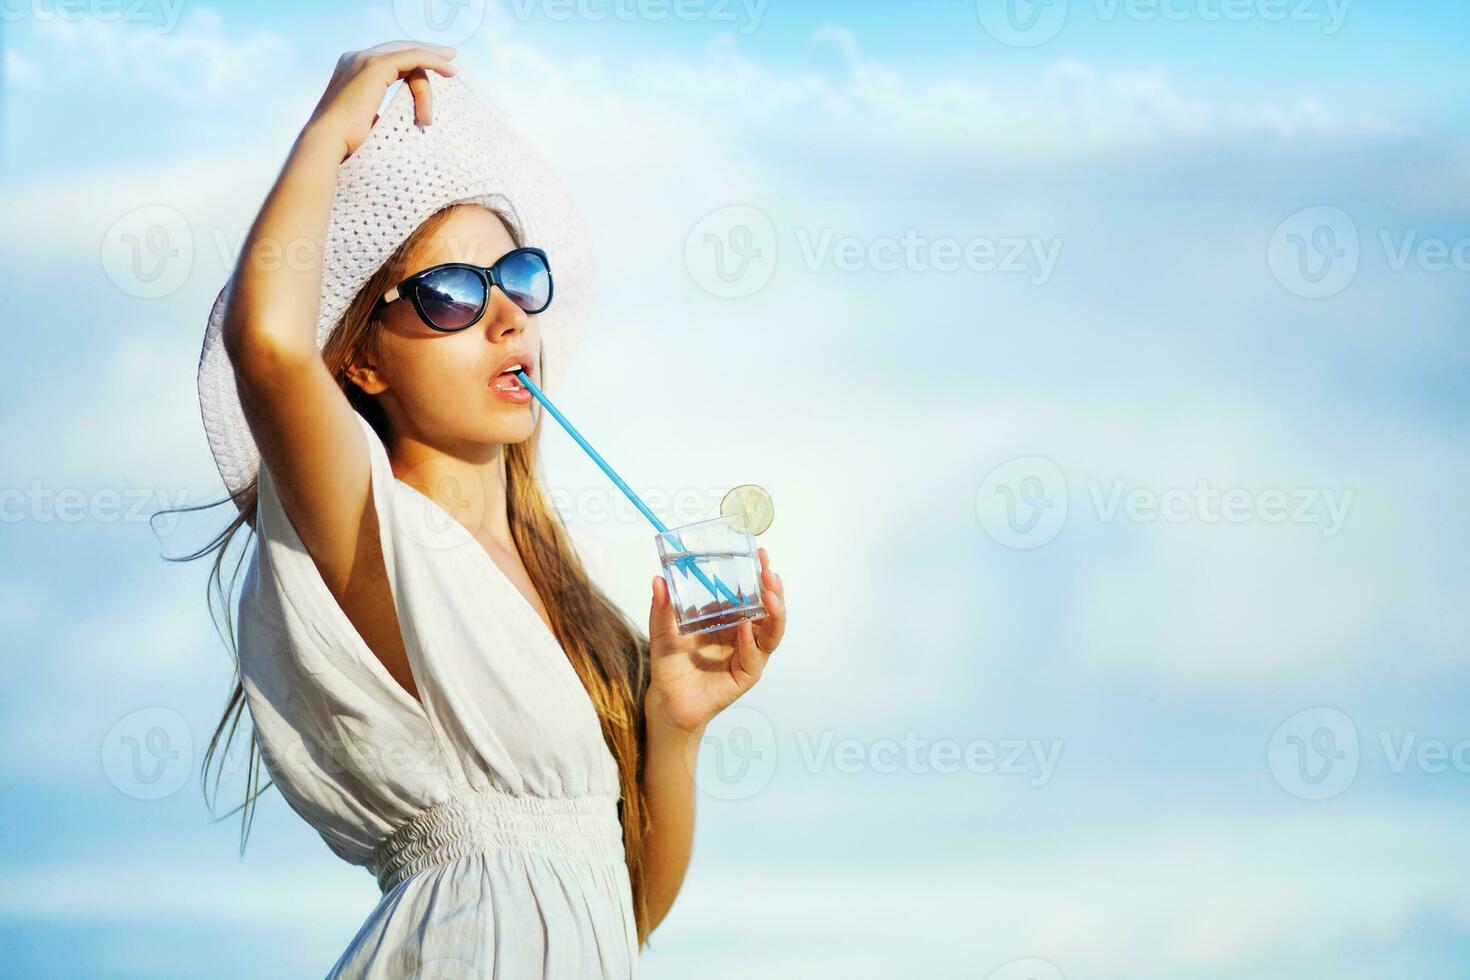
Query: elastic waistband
(484, 820)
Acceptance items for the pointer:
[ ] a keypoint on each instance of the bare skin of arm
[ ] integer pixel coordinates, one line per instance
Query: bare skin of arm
(300, 419)
(668, 791)
(692, 679)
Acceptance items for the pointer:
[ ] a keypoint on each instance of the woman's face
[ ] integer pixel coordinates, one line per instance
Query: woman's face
(442, 388)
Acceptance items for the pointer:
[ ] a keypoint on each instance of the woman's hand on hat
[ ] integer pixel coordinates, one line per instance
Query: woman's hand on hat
(349, 106)
(693, 678)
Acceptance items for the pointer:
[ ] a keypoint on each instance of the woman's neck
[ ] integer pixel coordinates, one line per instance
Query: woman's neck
(466, 479)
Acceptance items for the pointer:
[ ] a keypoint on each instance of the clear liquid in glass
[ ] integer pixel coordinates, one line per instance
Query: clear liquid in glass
(696, 609)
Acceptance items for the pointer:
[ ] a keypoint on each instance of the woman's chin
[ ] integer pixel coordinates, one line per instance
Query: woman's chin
(516, 425)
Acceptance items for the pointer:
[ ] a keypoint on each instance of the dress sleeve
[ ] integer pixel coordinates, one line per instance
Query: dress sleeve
(348, 747)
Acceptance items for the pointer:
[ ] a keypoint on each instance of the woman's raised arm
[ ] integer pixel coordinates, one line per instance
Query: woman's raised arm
(298, 416)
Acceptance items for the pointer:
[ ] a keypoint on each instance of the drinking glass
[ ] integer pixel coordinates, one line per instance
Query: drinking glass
(713, 573)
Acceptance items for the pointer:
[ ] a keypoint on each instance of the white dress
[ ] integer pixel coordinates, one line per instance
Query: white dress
(488, 813)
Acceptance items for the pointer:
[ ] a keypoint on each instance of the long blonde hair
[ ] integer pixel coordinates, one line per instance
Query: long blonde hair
(608, 652)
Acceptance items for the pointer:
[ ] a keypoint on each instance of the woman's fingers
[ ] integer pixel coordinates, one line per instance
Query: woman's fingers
(772, 581)
(750, 659)
(423, 101)
(770, 628)
(348, 108)
(389, 47)
(661, 623)
(415, 64)
(769, 578)
(403, 61)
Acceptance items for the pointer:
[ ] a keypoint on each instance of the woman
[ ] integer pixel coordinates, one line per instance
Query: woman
(435, 684)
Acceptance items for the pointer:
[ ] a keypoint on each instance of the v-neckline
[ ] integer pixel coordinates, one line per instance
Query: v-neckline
(496, 570)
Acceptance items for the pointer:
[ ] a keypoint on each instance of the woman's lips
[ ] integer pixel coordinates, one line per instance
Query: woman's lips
(507, 387)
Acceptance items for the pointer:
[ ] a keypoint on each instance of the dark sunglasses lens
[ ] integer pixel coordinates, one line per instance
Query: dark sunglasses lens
(526, 279)
(452, 298)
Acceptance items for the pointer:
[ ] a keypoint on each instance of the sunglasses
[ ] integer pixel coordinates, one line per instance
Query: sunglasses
(454, 295)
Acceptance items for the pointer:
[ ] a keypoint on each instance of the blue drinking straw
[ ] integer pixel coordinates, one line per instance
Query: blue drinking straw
(686, 564)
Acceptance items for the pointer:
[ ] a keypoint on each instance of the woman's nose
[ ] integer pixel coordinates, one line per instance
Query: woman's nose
(504, 318)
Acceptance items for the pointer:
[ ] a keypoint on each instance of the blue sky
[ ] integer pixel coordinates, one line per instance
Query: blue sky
(1000, 483)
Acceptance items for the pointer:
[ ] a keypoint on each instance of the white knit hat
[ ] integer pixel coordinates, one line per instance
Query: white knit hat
(400, 175)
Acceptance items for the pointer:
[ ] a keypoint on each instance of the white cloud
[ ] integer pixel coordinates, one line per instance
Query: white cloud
(1265, 895)
(1249, 895)
(192, 65)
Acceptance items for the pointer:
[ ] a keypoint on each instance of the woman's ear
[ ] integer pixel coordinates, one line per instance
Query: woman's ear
(365, 375)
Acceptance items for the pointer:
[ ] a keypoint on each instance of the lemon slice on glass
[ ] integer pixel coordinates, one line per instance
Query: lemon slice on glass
(751, 503)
